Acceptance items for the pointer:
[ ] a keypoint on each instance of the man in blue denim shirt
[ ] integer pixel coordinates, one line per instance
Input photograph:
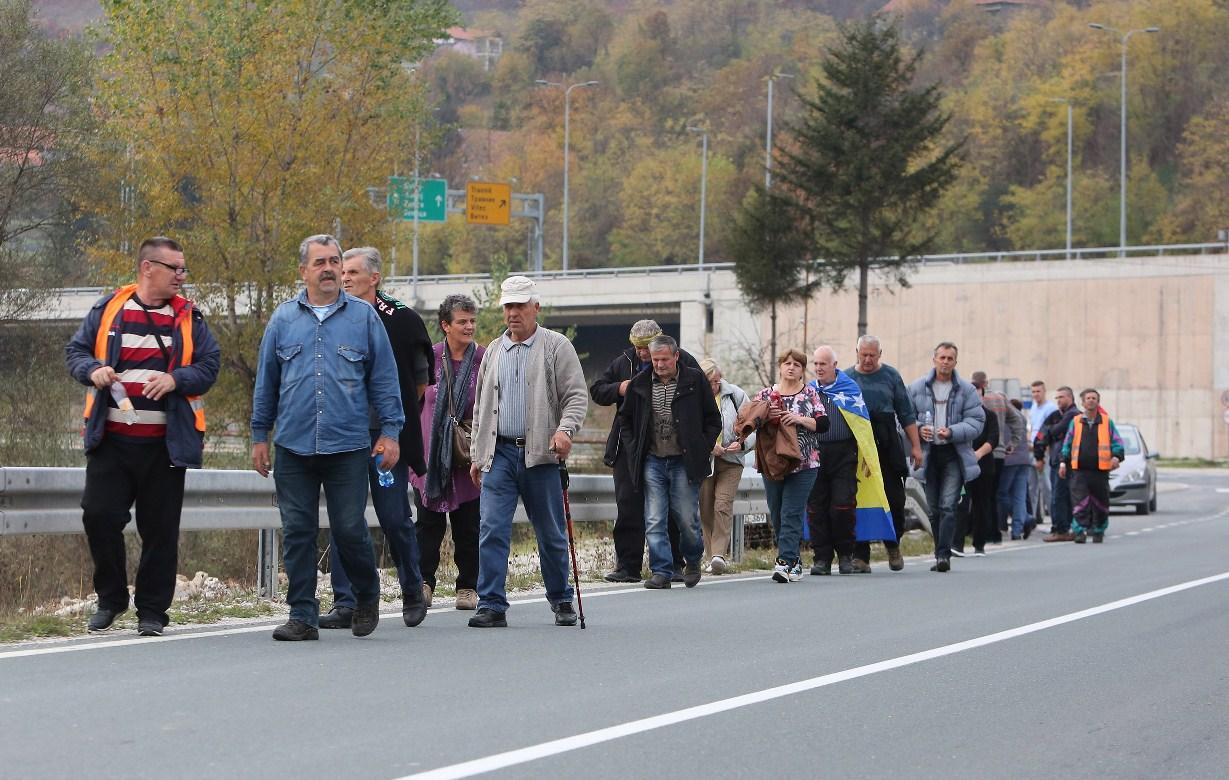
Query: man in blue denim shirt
(324, 360)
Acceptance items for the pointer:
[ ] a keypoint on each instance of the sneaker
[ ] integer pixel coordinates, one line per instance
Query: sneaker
(979, 552)
(795, 572)
(295, 631)
(564, 614)
(896, 561)
(103, 618)
(337, 617)
(1081, 537)
(780, 572)
(821, 568)
(717, 565)
(488, 618)
(861, 567)
(467, 599)
(619, 575)
(413, 612)
(149, 627)
(366, 618)
(957, 553)
(657, 582)
(844, 564)
(691, 577)
(1057, 537)
(428, 594)
(1098, 538)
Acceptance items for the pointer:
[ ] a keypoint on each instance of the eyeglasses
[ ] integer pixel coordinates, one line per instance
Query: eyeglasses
(178, 270)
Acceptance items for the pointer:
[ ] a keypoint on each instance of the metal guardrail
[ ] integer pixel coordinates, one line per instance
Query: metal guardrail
(48, 501)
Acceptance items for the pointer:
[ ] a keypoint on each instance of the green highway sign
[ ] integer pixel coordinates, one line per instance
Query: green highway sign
(403, 198)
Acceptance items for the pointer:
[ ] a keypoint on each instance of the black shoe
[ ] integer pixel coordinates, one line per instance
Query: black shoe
(844, 564)
(1028, 528)
(691, 577)
(337, 617)
(149, 627)
(657, 582)
(622, 575)
(1016, 537)
(564, 614)
(676, 577)
(295, 631)
(1081, 537)
(489, 618)
(413, 612)
(1098, 538)
(102, 618)
(366, 618)
(821, 568)
(942, 565)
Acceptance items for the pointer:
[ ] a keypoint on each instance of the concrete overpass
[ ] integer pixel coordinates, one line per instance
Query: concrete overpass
(1151, 332)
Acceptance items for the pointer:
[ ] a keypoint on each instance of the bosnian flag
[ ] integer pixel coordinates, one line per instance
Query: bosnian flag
(874, 516)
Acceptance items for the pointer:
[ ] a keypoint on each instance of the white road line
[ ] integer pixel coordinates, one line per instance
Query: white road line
(1132, 533)
(579, 741)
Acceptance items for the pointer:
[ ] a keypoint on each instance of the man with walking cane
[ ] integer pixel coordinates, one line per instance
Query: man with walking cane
(530, 401)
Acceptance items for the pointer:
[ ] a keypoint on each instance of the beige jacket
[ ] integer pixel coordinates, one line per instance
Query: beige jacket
(556, 395)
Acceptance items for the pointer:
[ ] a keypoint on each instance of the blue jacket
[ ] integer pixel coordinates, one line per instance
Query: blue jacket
(965, 418)
(184, 443)
(315, 380)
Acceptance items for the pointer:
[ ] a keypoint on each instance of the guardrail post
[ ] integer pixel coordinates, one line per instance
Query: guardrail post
(737, 540)
(266, 564)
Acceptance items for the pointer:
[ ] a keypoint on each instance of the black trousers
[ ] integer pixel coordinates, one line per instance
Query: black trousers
(894, 488)
(982, 518)
(832, 507)
(117, 475)
(431, 526)
(628, 531)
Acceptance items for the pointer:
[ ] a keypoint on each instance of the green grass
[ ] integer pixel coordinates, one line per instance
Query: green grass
(15, 628)
(1191, 463)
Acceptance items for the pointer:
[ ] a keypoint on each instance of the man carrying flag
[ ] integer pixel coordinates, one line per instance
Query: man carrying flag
(848, 503)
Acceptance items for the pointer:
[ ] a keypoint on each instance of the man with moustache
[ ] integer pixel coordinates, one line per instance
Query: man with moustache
(324, 363)
(361, 277)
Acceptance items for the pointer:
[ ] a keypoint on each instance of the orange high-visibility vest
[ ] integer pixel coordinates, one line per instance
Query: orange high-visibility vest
(1103, 442)
(183, 320)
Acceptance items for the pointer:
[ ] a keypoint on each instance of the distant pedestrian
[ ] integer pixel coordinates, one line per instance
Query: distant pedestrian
(1013, 484)
(530, 402)
(325, 362)
(148, 357)
(609, 389)
(951, 415)
(669, 417)
(1038, 484)
(887, 402)
(980, 497)
(1091, 450)
(1048, 452)
(445, 494)
(719, 489)
(790, 413)
(1011, 426)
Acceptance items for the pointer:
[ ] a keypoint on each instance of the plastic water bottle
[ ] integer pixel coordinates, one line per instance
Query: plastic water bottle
(926, 419)
(383, 476)
(127, 413)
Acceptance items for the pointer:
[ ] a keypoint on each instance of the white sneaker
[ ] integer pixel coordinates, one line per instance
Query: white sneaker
(957, 553)
(717, 565)
(780, 572)
(795, 573)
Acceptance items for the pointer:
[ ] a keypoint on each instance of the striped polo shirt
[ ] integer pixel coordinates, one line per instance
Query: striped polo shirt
(140, 360)
(513, 384)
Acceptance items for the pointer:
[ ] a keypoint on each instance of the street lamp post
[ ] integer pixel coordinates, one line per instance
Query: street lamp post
(1068, 103)
(1122, 133)
(703, 185)
(567, 139)
(768, 136)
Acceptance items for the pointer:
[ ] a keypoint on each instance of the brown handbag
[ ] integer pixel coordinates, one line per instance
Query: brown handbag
(462, 430)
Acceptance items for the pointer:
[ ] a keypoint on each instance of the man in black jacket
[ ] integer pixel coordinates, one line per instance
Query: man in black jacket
(1049, 442)
(610, 389)
(668, 423)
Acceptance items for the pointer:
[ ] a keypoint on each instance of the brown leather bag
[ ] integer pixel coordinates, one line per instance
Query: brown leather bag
(462, 430)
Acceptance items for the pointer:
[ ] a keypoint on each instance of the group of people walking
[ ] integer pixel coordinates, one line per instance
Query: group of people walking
(352, 397)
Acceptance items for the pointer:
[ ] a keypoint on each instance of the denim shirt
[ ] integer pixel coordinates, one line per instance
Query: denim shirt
(315, 380)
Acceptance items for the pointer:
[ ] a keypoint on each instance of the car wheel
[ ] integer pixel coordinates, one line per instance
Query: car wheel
(1152, 501)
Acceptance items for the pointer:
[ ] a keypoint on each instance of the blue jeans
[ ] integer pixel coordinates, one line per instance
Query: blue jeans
(667, 489)
(1060, 503)
(392, 505)
(787, 505)
(944, 478)
(1013, 496)
(541, 491)
(298, 479)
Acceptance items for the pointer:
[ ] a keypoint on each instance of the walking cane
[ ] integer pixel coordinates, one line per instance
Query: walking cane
(567, 514)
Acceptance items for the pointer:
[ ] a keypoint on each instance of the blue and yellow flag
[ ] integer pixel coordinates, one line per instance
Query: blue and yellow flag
(874, 516)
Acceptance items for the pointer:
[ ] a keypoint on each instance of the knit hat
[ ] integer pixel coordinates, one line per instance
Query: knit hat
(643, 332)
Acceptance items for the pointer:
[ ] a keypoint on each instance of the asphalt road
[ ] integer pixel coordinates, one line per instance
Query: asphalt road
(1073, 661)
